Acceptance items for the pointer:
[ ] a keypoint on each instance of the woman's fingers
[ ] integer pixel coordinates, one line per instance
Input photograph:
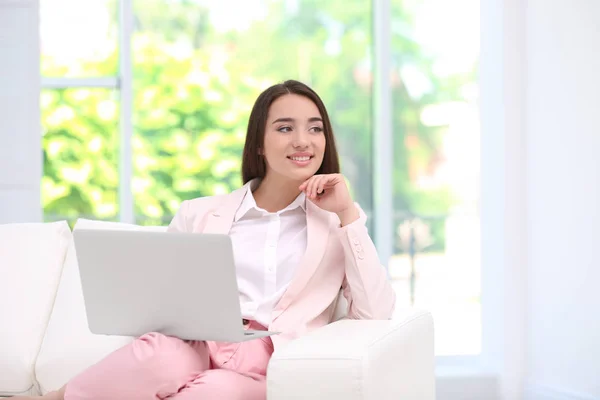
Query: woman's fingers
(305, 187)
(313, 186)
(321, 186)
(317, 184)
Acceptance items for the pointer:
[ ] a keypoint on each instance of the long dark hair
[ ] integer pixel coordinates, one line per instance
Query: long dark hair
(253, 164)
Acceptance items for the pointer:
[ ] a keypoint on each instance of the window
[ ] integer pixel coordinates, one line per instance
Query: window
(435, 117)
(145, 104)
(80, 109)
(79, 39)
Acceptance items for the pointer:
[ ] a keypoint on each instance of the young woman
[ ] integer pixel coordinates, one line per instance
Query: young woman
(298, 238)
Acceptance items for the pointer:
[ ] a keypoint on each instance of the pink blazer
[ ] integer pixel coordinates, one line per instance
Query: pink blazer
(336, 258)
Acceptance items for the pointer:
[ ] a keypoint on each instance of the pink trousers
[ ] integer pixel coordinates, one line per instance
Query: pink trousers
(155, 366)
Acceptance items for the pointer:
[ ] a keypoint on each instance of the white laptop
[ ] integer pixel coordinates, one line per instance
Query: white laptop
(178, 284)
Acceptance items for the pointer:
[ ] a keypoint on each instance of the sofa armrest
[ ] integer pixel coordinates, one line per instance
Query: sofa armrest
(356, 359)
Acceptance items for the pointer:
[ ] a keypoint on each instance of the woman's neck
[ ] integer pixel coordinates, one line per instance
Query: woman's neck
(276, 194)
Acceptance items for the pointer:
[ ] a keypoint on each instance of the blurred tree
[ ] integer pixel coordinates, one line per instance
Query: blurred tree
(80, 153)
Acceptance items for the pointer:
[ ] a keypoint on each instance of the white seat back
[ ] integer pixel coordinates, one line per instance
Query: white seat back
(31, 260)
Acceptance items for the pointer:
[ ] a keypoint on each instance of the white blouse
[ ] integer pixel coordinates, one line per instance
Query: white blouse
(267, 248)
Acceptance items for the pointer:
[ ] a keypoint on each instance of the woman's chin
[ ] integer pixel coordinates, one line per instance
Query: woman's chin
(301, 176)
(298, 176)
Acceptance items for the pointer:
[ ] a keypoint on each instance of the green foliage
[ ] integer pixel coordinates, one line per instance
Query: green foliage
(80, 157)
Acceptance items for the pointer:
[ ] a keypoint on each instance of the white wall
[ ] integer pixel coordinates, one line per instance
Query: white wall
(563, 198)
(540, 102)
(503, 195)
(20, 140)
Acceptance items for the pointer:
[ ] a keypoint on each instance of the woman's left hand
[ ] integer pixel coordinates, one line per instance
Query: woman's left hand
(330, 193)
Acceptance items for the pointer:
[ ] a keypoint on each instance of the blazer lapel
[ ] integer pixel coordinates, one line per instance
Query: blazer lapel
(220, 220)
(317, 227)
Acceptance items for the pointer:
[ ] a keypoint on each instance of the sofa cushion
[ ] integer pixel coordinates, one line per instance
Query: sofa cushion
(31, 260)
(69, 347)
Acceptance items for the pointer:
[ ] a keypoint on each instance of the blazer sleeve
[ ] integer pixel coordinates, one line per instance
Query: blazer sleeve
(181, 221)
(366, 286)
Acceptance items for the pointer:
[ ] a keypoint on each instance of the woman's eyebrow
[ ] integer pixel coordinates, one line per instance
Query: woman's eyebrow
(287, 119)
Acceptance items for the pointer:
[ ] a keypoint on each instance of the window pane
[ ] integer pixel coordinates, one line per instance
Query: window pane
(79, 38)
(198, 69)
(80, 142)
(436, 168)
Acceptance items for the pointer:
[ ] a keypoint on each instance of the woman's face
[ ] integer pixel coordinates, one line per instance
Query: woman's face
(294, 138)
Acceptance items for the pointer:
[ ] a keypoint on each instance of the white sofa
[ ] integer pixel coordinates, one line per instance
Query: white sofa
(44, 338)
